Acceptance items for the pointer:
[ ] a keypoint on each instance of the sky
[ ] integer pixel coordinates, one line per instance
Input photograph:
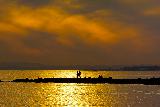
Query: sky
(83, 32)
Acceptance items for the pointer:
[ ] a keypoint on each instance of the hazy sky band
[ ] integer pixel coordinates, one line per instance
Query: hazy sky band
(80, 31)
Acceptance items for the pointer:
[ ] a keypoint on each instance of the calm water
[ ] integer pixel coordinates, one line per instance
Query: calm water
(51, 94)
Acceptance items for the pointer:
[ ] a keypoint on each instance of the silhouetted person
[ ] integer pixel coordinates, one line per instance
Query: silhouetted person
(78, 74)
(100, 76)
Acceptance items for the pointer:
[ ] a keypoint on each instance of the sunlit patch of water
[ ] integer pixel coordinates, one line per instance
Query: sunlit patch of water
(53, 94)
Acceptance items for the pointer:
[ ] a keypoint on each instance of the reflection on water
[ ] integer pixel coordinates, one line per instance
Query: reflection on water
(49, 94)
(53, 94)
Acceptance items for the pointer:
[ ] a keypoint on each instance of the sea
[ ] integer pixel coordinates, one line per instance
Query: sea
(77, 94)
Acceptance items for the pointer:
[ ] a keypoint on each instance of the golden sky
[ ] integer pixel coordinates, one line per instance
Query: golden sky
(113, 32)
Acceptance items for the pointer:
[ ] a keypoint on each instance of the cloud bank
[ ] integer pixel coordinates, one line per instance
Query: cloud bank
(80, 32)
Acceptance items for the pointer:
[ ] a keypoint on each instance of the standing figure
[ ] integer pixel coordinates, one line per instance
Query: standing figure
(79, 74)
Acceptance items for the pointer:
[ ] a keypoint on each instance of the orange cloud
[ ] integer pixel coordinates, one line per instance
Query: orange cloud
(10, 28)
(152, 11)
(106, 32)
(53, 20)
(66, 26)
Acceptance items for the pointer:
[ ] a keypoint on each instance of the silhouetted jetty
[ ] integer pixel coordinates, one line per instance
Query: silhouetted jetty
(100, 79)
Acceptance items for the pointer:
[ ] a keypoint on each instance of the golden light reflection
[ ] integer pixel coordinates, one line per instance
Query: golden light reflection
(74, 94)
(86, 95)
(56, 94)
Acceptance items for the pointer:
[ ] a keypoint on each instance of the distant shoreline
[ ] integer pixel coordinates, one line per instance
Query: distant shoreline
(81, 67)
